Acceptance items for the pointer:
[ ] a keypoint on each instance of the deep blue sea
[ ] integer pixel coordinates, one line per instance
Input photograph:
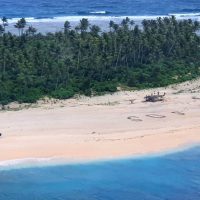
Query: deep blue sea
(168, 177)
(55, 8)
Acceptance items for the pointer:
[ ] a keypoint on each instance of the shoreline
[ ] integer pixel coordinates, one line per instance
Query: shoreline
(56, 24)
(103, 127)
(24, 163)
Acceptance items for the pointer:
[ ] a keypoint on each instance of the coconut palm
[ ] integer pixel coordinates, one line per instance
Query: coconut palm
(84, 25)
(23, 24)
(95, 30)
(5, 22)
(1, 29)
(111, 25)
(31, 30)
(67, 26)
(20, 25)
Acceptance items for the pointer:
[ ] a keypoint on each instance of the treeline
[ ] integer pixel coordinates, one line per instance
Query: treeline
(87, 61)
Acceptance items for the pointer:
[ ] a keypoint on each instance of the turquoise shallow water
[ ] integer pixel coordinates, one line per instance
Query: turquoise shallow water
(169, 177)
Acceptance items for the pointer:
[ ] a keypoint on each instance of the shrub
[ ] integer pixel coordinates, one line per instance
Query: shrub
(63, 93)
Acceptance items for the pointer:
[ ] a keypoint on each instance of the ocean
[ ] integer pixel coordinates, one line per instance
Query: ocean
(53, 9)
(168, 177)
(50, 15)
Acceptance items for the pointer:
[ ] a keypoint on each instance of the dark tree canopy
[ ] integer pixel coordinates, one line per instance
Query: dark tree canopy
(88, 61)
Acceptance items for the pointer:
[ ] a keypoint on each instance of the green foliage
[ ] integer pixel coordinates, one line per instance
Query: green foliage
(29, 95)
(63, 93)
(101, 88)
(88, 61)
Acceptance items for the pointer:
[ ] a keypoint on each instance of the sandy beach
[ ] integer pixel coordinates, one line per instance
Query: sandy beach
(103, 127)
(57, 24)
(52, 25)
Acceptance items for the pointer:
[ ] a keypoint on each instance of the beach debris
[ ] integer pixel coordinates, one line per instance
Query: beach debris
(178, 113)
(131, 101)
(196, 98)
(154, 97)
(109, 103)
(156, 116)
(134, 118)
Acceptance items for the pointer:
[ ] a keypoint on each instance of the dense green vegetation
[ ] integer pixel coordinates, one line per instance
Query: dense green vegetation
(88, 61)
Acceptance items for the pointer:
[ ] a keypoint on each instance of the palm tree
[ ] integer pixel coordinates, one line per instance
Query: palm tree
(84, 24)
(125, 22)
(95, 30)
(77, 29)
(23, 24)
(1, 29)
(132, 23)
(196, 25)
(115, 27)
(111, 25)
(31, 30)
(20, 25)
(5, 22)
(67, 26)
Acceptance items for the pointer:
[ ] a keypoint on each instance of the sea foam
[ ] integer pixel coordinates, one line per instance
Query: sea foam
(195, 16)
(29, 162)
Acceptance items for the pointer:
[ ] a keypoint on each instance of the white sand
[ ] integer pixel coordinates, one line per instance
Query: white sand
(99, 128)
